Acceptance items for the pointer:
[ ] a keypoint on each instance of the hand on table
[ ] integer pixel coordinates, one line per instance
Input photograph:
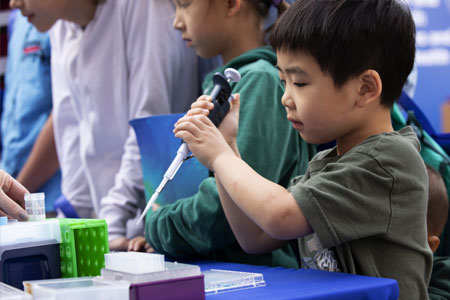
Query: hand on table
(137, 244)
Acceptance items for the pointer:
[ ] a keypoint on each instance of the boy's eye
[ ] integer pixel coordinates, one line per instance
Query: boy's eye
(298, 84)
(283, 82)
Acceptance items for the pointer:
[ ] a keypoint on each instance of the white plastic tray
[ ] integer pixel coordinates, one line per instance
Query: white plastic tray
(218, 281)
(172, 271)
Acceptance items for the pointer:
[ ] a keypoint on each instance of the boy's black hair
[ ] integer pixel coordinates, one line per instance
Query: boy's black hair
(348, 37)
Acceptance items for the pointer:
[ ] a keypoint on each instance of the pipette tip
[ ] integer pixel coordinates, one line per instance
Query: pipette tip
(140, 219)
(149, 204)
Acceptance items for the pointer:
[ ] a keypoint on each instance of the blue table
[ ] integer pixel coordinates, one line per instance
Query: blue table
(284, 283)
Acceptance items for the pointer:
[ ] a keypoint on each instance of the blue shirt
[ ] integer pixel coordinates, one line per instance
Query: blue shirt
(27, 100)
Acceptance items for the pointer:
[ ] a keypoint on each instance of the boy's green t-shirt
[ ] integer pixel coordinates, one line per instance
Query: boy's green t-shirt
(196, 227)
(368, 209)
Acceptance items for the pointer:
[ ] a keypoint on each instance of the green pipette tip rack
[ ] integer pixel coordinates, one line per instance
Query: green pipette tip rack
(84, 243)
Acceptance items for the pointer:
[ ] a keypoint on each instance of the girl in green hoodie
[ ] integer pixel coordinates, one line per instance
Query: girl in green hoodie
(196, 227)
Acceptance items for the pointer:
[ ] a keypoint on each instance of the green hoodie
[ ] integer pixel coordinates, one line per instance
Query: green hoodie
(439, 288)
(196, 227)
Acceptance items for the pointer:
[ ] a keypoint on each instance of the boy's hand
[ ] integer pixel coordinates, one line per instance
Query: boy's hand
(229, 125)
(203, 138)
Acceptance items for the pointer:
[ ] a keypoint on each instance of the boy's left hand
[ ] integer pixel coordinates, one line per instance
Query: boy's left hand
(203, 138)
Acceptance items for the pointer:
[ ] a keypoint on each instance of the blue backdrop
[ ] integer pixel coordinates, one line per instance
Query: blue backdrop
(432, 19)
(158, 147)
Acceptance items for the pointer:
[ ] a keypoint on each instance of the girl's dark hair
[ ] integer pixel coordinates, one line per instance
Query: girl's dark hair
(263, 6)
(348, 37)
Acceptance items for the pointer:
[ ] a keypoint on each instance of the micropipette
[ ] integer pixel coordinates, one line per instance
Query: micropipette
(221, 94)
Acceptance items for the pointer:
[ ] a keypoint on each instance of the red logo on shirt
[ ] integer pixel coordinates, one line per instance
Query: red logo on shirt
(31, 49)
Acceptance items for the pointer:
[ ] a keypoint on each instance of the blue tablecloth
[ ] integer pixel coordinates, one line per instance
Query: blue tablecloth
(284, 283)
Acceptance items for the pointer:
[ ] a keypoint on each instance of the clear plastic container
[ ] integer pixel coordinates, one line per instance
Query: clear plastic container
(10, 293)
(172, 271)
(217, 281)
(35, 206)
(78, 288)
(23, 232)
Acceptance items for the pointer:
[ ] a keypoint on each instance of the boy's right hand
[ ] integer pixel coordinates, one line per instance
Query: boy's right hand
(229, 125)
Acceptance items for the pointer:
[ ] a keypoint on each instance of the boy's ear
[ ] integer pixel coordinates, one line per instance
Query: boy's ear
(369, 88)
(433, 242)
(233, 7)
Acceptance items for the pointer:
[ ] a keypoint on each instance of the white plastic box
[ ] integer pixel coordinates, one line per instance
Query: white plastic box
(23, 232)
(29, 250)
(84, 288)
(10, 293)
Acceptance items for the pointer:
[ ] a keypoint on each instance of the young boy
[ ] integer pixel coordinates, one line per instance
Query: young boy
(437, 214)
(360, 207)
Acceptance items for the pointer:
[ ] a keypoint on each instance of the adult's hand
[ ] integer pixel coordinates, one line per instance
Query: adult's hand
(12, 194)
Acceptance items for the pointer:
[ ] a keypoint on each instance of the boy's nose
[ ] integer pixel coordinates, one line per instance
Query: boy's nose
(16, 4)
(286, 100)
